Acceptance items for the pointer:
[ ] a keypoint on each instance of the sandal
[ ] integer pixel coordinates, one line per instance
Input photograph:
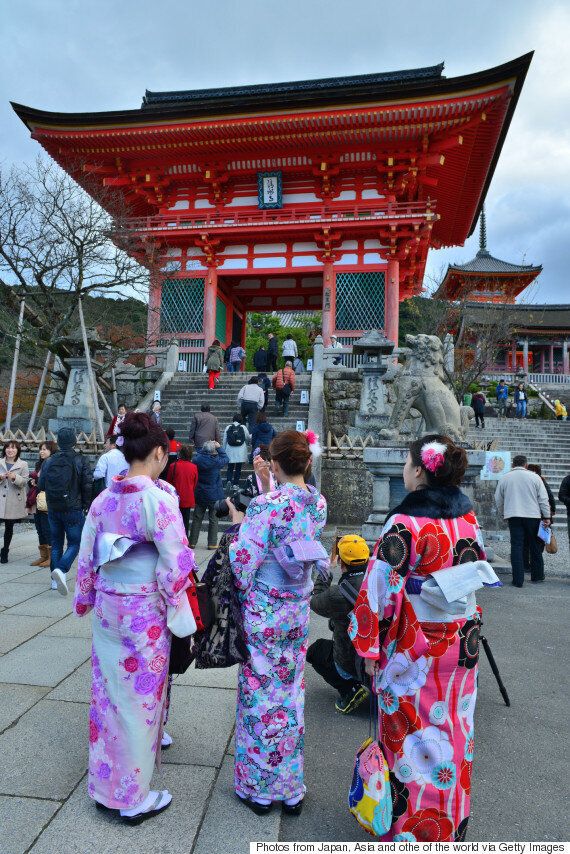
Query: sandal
(258, 809)
(293, 809)
(161, 803)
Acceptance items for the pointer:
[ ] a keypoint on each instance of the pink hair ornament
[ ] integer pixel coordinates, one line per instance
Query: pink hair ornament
(432, 456)
(313, 442)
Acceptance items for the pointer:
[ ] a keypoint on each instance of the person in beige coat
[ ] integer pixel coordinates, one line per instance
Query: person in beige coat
(14, 474)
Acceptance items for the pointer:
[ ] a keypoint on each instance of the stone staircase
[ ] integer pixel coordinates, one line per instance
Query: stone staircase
(185, 393)
(543, 442)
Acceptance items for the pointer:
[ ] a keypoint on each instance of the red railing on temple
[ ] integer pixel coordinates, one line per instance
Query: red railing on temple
(305, 214)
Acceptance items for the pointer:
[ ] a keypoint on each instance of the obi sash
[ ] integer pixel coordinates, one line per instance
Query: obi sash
(288, 567)
(124, 566)
(449, 594)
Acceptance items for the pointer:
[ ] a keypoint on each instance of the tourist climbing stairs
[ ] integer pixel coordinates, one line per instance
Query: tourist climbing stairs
(543, 442)
(185, 393)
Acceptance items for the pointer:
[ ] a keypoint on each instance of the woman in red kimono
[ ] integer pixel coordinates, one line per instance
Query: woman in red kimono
(415, 621)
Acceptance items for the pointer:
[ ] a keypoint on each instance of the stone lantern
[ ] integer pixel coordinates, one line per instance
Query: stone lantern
(373, 414)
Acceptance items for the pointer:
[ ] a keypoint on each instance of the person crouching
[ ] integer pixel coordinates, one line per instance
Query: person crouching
(334, 659)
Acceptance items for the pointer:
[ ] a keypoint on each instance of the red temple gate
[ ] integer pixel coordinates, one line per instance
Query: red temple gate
(315, 195)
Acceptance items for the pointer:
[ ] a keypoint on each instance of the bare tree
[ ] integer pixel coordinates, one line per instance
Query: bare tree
(56, 246)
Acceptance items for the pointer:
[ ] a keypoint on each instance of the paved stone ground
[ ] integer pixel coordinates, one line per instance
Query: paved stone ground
(519, 777)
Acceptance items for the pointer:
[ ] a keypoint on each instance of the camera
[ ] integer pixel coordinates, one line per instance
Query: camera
(239, 496)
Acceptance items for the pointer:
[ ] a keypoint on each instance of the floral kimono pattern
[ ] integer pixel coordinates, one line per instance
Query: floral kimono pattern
(270, 722)
(426, 678)
(131, 641)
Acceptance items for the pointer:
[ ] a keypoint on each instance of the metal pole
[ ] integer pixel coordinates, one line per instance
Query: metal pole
(114, 390)
(90, 373)
(39, 394)
(15, 366)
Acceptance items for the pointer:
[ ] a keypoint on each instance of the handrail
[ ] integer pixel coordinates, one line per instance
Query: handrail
(304, 213)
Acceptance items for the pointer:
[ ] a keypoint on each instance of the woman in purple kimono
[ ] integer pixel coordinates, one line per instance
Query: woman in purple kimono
(272, 559)
(134, 567)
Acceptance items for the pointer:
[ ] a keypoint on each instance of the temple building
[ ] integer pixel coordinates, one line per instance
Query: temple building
(320, 195)
(486, 289)
(485, 278)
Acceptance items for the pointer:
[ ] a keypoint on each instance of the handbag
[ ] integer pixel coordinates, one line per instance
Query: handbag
(41, 502)
(552, 547)
(31, 497)
(370, 795)
(182, 624)
(222, 643)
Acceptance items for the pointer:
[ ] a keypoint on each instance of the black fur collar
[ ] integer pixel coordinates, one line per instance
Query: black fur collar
(445, 502)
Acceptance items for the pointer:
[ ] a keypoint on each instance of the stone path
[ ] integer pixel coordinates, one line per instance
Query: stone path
(44, 692)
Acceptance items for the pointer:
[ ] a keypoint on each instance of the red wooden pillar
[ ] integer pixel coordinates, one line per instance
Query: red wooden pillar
(329, 302)
(392, 301)
(153, 320)
(514, 357)
(552, 358)
(210, 295)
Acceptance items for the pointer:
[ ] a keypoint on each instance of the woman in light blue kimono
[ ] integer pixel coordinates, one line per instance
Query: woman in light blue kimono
(272, 559)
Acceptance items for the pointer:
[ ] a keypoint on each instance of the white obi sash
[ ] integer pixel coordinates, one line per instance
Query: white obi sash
(449, 594)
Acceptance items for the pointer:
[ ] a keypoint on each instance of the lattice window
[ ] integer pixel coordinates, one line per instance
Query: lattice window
(182, 305)
(221, 320)
(360, 301)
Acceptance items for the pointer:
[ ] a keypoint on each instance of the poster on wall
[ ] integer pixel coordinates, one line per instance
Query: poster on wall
(497, 463)
(269, 190)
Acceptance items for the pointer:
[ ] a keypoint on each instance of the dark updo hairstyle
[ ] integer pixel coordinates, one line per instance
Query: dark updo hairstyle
(455, 461)
(291, 450)
(141, 434)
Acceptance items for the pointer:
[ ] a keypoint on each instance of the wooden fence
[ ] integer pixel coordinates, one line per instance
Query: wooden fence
(31, 441)
(345, 447)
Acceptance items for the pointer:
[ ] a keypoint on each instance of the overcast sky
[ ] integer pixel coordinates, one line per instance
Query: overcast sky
(86, 55)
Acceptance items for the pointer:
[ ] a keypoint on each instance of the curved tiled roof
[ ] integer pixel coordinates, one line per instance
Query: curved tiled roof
(484, 262)
(384, 78)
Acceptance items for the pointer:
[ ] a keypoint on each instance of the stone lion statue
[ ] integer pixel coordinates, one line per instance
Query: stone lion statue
(421, 386)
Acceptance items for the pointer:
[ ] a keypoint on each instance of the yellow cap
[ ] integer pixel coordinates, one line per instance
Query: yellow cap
(353, 549)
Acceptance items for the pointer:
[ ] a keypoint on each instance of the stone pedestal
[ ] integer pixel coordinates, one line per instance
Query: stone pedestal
(77, 410)
(373, 414)
(386, 464)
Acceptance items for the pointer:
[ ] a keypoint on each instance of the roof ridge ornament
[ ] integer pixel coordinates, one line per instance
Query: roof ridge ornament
(483, 233)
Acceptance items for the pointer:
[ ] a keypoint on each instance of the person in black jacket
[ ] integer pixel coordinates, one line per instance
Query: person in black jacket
(272, 353)
(210, 459)
(335, 659)
(67, 481)
(260, 359)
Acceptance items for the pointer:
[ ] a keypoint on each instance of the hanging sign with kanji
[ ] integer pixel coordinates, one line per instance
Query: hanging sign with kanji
(269, 190)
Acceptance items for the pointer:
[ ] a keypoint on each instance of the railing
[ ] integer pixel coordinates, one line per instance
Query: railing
(346, 448)
(31, 441)
(294, 215)
(539, 379)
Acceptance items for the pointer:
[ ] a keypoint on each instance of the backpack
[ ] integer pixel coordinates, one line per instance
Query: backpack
(62, 482)
(235, 436)
(287, 389)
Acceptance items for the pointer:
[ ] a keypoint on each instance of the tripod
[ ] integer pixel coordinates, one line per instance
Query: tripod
(494, 667)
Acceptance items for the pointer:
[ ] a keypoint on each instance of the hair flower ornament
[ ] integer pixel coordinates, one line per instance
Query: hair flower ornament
(120, 441)
(433, 455)
(313, 442)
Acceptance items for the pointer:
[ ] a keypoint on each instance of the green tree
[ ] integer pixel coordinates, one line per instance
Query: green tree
(260, 325)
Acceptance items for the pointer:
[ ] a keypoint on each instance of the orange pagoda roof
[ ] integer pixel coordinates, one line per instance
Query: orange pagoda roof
(486, 278)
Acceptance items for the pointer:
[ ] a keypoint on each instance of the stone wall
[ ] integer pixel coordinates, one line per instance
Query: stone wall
(342, 399)
(347, 486)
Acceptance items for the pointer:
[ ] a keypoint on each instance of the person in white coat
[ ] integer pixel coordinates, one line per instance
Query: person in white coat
(235, 441)
(289, 348)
